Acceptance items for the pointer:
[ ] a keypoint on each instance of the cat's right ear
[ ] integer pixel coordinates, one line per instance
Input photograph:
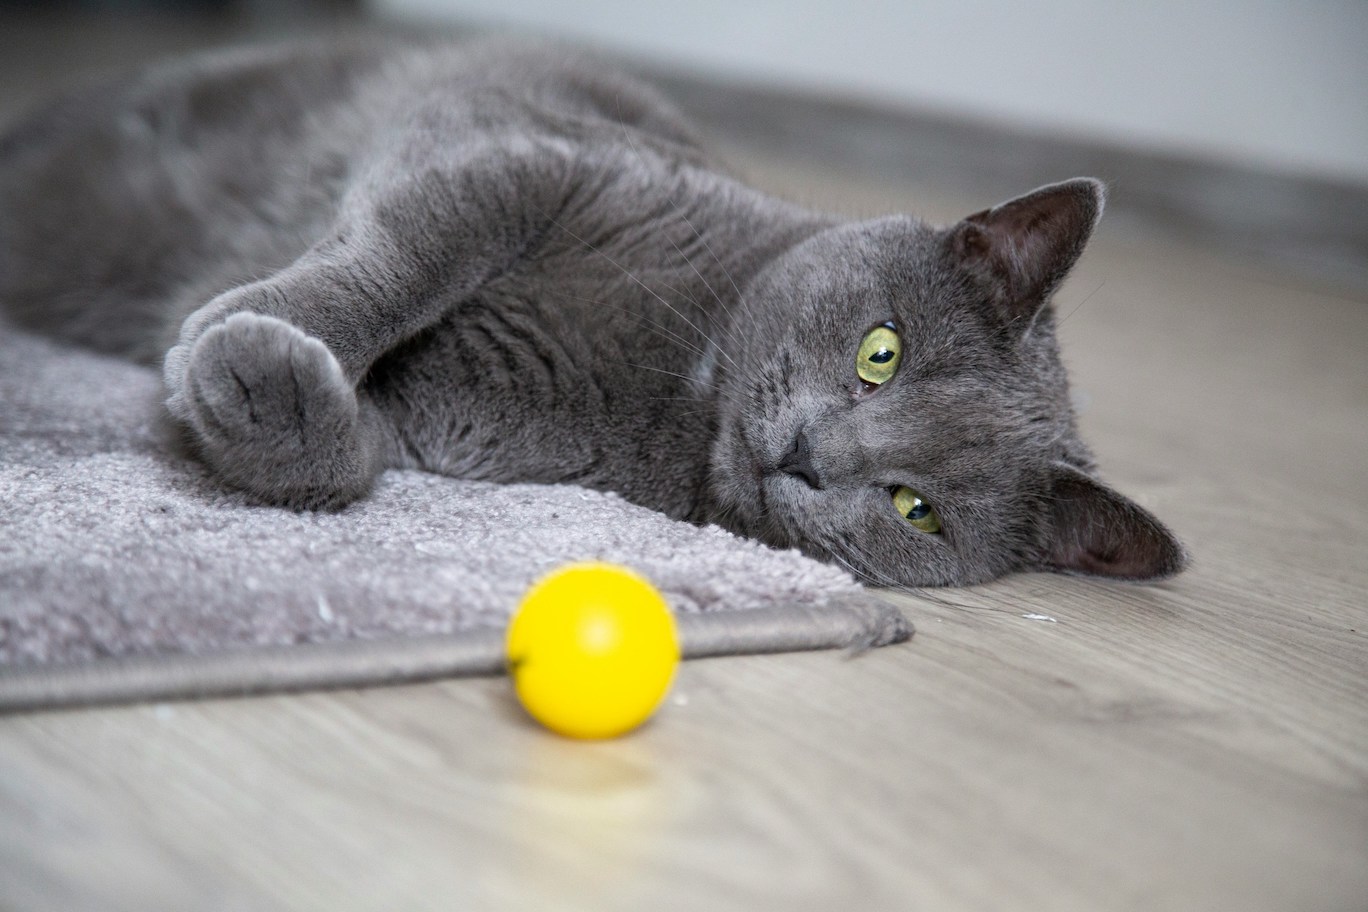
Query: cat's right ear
(1025, 247)
(1099, 532)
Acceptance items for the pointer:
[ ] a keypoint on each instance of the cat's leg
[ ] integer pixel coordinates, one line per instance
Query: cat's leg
(265, 376)
(264, 380)
(269, 409)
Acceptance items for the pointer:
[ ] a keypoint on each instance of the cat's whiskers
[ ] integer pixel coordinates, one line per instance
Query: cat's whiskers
(1077, 307)
(707, 405)
(923, 593)
(652, 292)
(660, 330)
(728, 326)
(693, 381)
(851, 568)
(740, 299)
(867, 570)
(691, 413)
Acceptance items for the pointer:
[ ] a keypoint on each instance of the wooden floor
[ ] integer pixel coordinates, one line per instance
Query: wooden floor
(1043, 743)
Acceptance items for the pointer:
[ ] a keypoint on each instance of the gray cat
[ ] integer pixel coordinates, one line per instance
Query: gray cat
(512, 263)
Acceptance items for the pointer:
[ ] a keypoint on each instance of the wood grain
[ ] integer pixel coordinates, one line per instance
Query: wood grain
(1196, 745)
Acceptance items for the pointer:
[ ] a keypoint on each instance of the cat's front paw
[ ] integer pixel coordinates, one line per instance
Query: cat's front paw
(271, 412)
(176, 363)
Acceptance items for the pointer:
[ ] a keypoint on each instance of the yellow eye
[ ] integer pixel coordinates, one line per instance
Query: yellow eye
(917, 511)
(880, 352)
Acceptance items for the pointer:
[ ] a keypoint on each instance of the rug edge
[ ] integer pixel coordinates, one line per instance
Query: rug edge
(858, 623)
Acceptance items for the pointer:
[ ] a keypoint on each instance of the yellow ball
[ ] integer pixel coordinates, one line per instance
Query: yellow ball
(592, 650)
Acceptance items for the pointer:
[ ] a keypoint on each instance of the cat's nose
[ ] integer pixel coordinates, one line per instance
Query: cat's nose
(798, 462)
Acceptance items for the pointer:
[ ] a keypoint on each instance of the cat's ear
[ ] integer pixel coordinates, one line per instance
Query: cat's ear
(1026, 246)
(1098, 531)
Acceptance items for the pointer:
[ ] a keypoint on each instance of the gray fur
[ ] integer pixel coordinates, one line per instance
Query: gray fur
(512, 263)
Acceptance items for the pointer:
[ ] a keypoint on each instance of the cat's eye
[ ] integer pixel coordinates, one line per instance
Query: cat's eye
(879, 354)
(916, 510)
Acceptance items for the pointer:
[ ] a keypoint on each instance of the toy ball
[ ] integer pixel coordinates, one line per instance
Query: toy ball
(592, 650)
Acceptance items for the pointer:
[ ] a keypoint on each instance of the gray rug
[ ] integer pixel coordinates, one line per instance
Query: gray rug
(127, 573)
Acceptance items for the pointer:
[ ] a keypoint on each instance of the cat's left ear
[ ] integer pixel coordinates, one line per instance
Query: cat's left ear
(1098, 531)
(1026, 246)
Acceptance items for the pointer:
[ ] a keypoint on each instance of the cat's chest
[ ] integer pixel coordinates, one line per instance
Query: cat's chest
(639, 319)
(566, 371)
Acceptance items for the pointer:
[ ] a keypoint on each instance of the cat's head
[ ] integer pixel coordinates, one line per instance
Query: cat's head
(899, 405)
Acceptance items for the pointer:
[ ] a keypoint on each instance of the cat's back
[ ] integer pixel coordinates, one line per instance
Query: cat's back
(237, 120)
(124, 202)
(118, 194)
(541, 85)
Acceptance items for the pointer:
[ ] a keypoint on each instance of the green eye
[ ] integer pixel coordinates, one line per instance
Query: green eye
(880, 352)
(917, 511)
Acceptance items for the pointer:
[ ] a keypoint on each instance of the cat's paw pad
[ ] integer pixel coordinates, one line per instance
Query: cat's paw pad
(271, 411)
(176, 363)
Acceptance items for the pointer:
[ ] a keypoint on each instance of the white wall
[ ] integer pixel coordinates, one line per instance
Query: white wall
(1281, 84)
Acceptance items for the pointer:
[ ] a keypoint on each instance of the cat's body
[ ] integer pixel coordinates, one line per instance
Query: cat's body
(514, 264)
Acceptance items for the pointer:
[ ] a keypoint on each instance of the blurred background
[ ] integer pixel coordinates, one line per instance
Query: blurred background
(1244, 121)
(1262, 82)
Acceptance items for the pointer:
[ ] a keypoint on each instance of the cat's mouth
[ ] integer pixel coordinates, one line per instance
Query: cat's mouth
(761, 510)
(759, 473)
